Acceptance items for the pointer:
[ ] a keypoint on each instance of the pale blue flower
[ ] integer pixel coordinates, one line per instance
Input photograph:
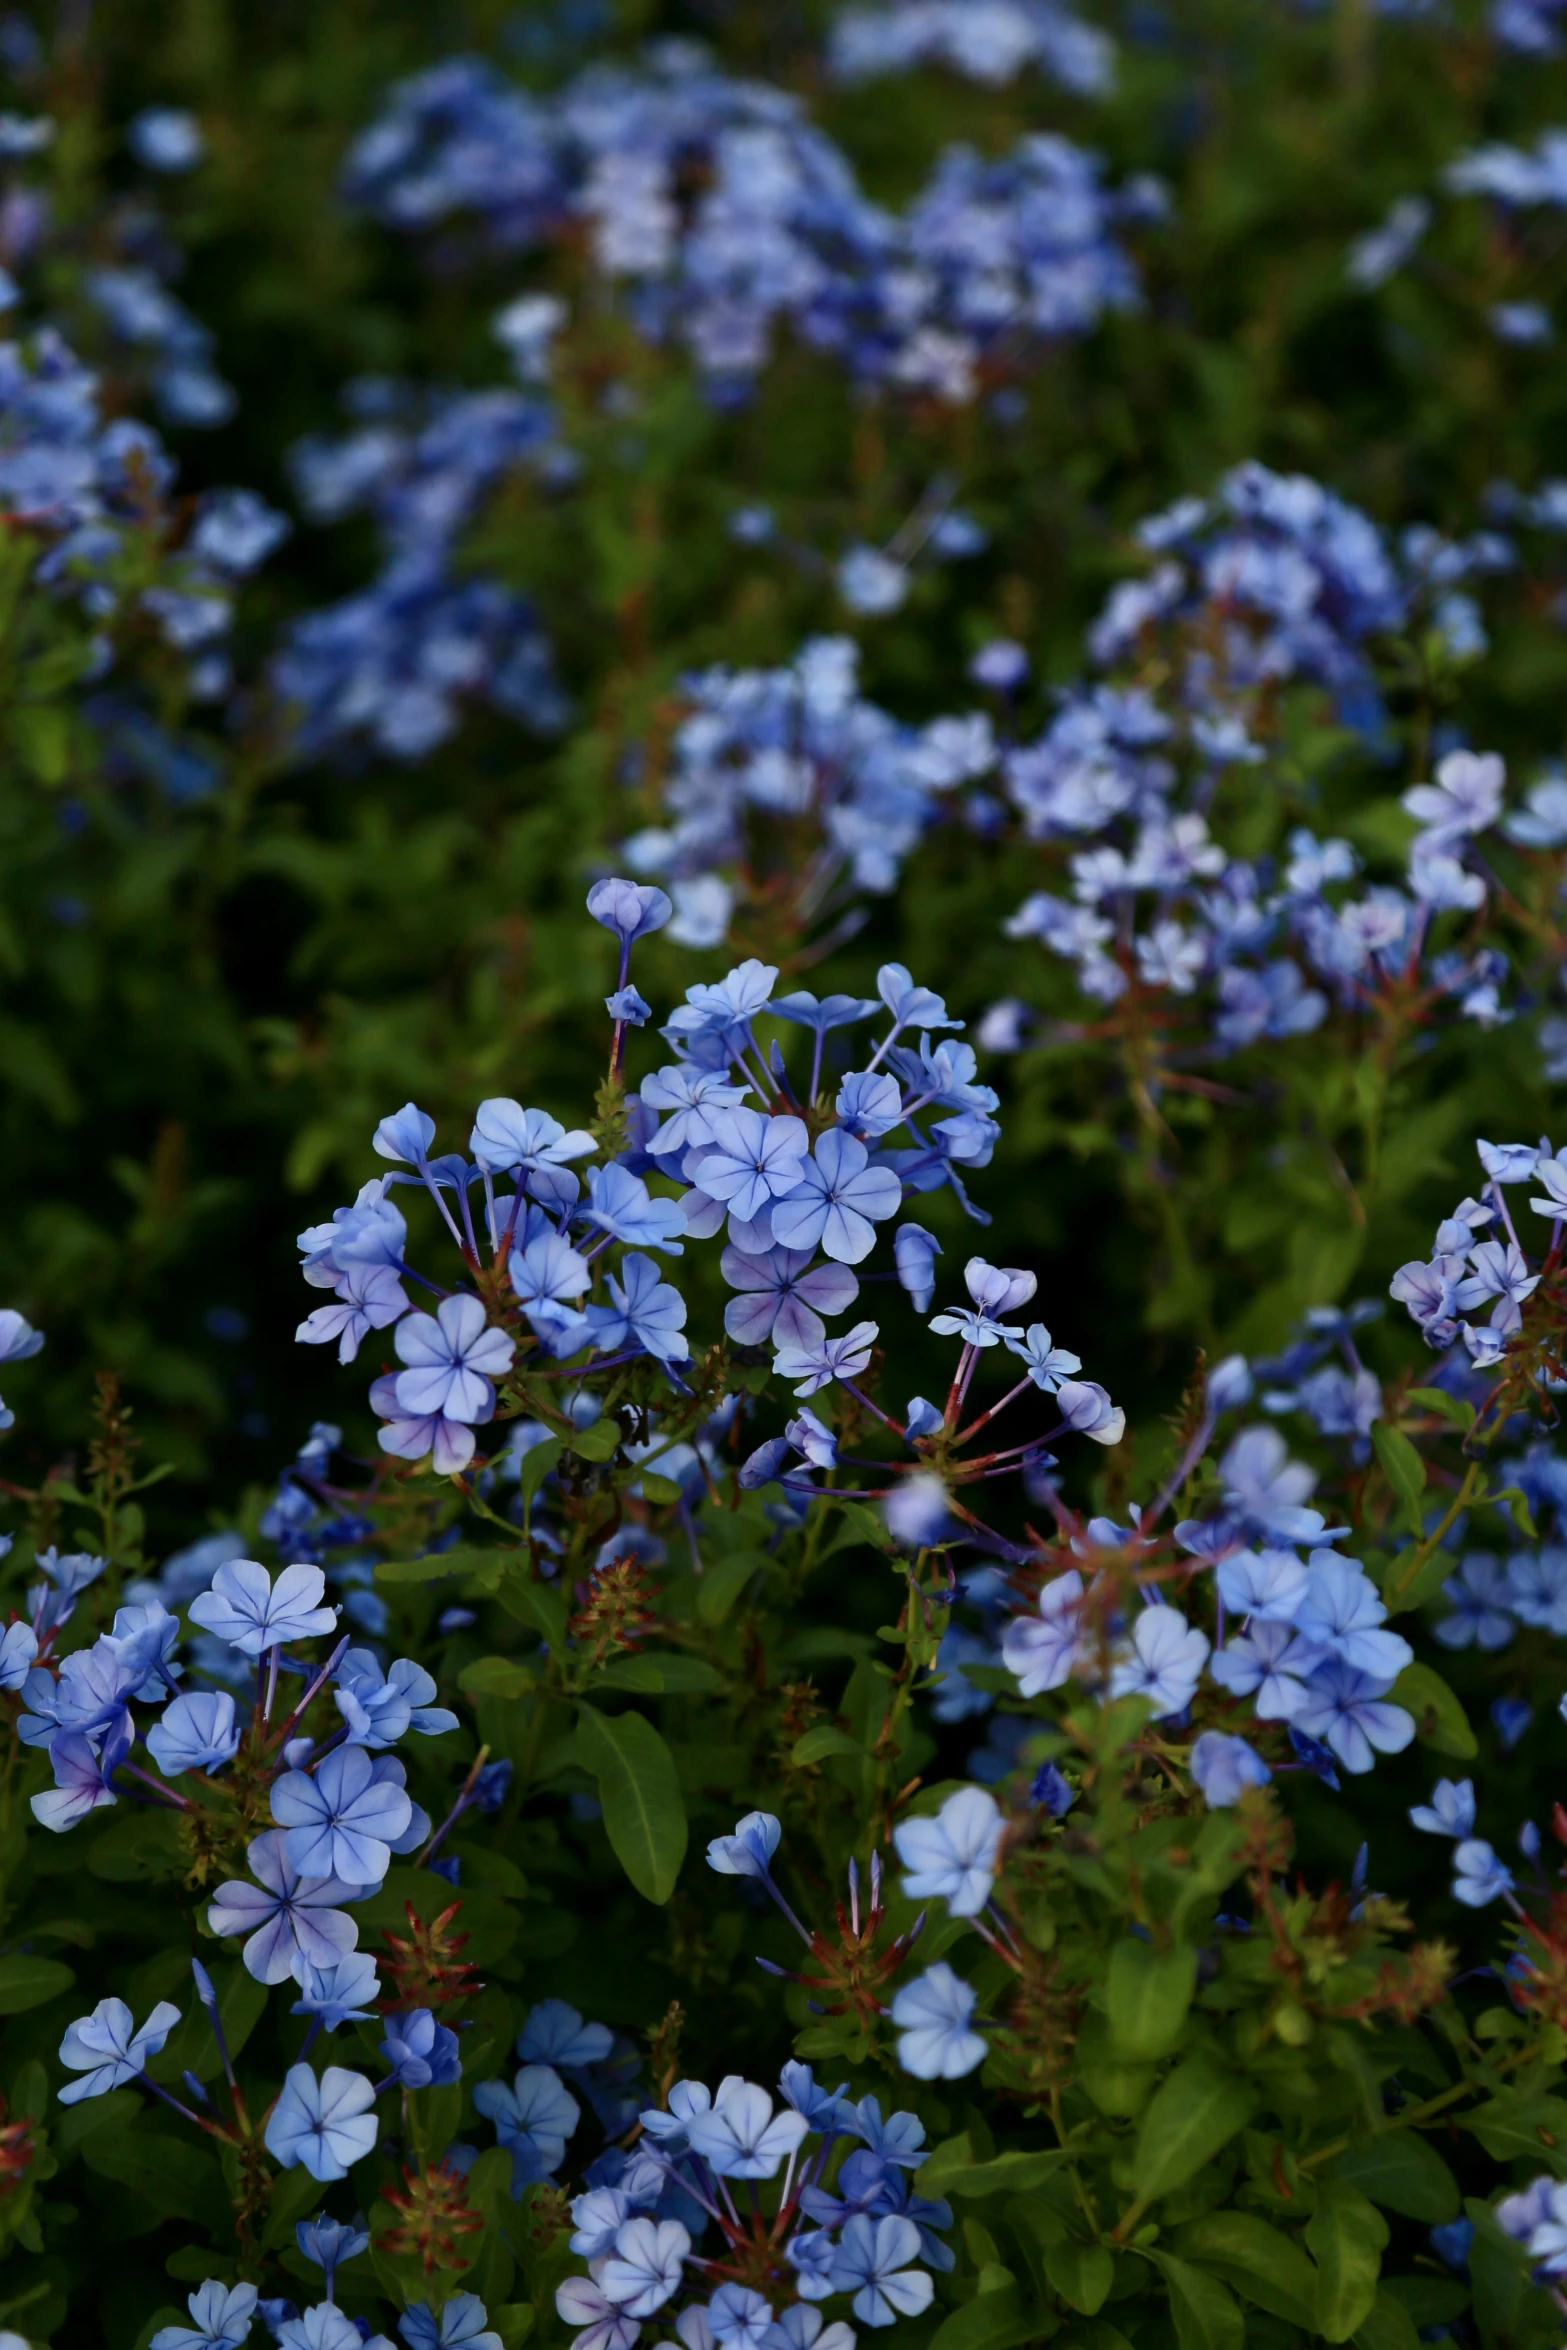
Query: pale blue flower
(631, 909)
(1345, 1709)
(291, 1922)
(344, 1992)
(783, 1296)
(838, 1200)
(953, 1857)
(816, 1367)
(1478, 1876)
(533, 2117)
(741, 2136)
(873, 2262)
(195, 1732)
(915, 1252)
(1162, 1661)
(554, 2033)
(1048, 1364)
(1450, 1812)
(749, 1849)
(1224, 1766)
(343, 1820)
(406, 1134)
(622, 1206)
(421, 2052)
(108, 2050)
(752, 1161)
(378, 1708)
(453, 1355)
(251, 1613)
(462, 2323)
(327, 2125)
(644, 2270)
(221, 2317)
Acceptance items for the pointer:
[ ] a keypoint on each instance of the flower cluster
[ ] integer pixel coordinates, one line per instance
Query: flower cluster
(989, 43)
(989, 260)
(392, 664)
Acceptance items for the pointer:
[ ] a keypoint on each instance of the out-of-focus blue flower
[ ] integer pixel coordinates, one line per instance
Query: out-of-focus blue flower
(1478, 1876)
(1224, 1767)
(1450, 1812)
(534, 2116)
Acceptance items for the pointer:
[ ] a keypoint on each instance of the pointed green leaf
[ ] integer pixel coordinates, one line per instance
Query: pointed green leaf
(1404, 1469)
(1404, 2173)
(1198, 2109)
(27, 1982)
(991, 2321)
(1260, 2261)
(1148, 1996)
(1081, 2273)
(644, 1816)
(1207, 2315)
(1346, 2235)
(1440, 1720)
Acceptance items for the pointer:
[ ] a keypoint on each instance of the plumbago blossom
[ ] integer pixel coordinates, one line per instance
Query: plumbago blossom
(792, 780)
(989, 261)
(567, 1239)
(990, 42)
(758, 2261)
(393, 664)
(1274, 586)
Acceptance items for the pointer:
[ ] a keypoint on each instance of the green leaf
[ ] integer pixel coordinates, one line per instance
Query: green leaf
(1260, 2261)
(814, 1746)
(1526, 2123)
(1451, 1407)
(1517, 1508)
(494, 1676)
(1149, 1995)
(535, 1603)
(1403, 1467)
(534, 1466)
(1009, 2174)
(1388, 2326)
(991, 2321)
(1407, 1584)
(1081, 2273)
(1346, 2235)
(598, 1442)
(725, 1580)
(653, 1676)
(1440, 1720)
(1207, 2315)
(464, 1558)
(27, 1982)
(659, 1490)
(1196, 2111)
(1403, 2173)
(644, 1816)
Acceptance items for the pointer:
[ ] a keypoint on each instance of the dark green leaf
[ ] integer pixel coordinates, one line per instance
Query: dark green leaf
(1388, 2326)
(495, 1676)
(1081, 2273)
(1207, 2315)
(1451, 1407)
(814, 1746)
(651, 1676)
(597, 1442)
(644, 1816)
(1440, 1720)
(991, 2321)
(1260, 2261)
(1196, 2111)
(27, 1982)
(725, 1580)
(1404, 2173)
(1148, 1995)
(1404, 1469)
(1346, 2235)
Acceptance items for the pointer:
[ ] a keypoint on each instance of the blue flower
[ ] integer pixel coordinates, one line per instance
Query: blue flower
(245, 1608)
(1266, 1585)
(837, 1202)
(953, 1857)
(915, 1252)
(343, 1821)
(1450, 1812)
(345, 1991)
(752, 1161)
(910, 1006)
(899, 2139)
(459, 2324)
(1162, 1661)
(644, 2270)
(533, 2119)
(622, 1206)
(421, 2052)
(748, 1851)
(406, 1134)
(1223, 1766)
(291, 1921)
(1451, 2242)
(378, 1708)
(197, 1732)
(453, 1355)
(108, 2050)
(222, 2315)
(329, 2242)
(1263, 1486)
(1481, 1594)
(819, 1015)
(816, 1367)
(827, 2110)
(506, 1138)
(783, 1296)
(554, 2033)
(1478, 1876)
(369, 1297)
(18, 1647)
(741, 2136)
(18, 1338)
(1052, 1791)
(1510, 1717)
(604, 2327)
(629, 1006)
(327, 2125)
(631, 909)
(79, 1781)
(1345, 1708)
(1048, 1364)
(694, 1096)
(649, 1310)
(873, 2262)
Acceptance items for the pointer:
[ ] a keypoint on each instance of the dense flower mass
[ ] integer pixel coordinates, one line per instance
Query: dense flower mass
(957, 1469)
